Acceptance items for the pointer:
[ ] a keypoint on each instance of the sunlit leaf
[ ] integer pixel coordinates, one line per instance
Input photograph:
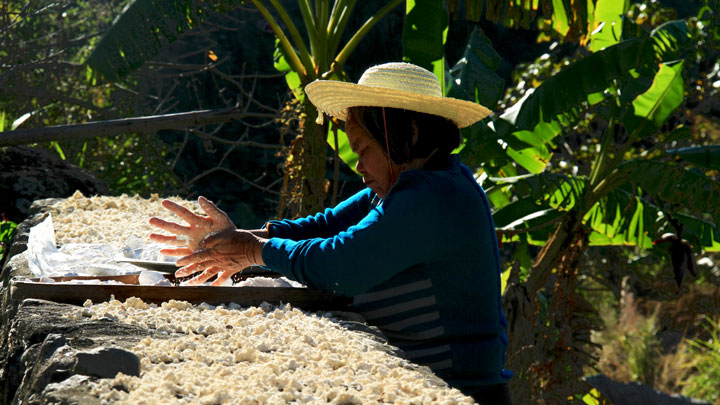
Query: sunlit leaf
(533, 221)
(621, 219)
(424, 35)
(343, 146)
(700, 233)
(498, 196)
(560, 18)
(653, 107)
(571, 87)
(608, 13)
(292, 78)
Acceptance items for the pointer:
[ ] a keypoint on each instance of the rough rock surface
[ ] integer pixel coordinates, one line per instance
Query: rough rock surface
(43, 347)
(29, 174)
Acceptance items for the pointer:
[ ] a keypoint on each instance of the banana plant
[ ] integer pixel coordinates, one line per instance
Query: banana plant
(627, 196)
(145, 26)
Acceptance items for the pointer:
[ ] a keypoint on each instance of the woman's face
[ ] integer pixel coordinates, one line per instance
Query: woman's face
(372, 162)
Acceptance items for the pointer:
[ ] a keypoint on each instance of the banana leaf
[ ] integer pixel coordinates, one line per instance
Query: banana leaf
(536, 155)
(526, 219)
(651, 108)
(473, 77)
(700, 233)
(570, 88)
(498, 196)
(555, 190)
(706, 157)
(424, 35)
(143, 28)
(671, 183)
(544, 200)
(292, 78)
(607, 23)
(622, 219)
(481, 146)
(343, 146)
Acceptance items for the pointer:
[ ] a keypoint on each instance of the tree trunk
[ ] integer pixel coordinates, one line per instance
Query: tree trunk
(304, 184)
(547, 336)
(315, 185)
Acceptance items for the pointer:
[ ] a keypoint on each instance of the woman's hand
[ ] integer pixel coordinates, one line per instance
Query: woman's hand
(188, 238)
(226, 252)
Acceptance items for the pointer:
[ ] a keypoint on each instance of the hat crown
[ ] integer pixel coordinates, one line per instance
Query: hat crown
(400, 76)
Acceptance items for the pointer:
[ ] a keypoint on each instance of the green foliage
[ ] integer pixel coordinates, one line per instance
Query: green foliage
(705, 157)
(703, 384)
(638, 96)
(642, 347)
(44, 84)
(566, 91)
(587, 145)
(424, 36)
(673, 184)
(607, 18)
(473, 77)
(41, 48)
(7, 232)
(651, 108)
(622, 219)
(143, 28)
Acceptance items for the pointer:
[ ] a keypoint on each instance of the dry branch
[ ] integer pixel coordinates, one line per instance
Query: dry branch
(149, 124)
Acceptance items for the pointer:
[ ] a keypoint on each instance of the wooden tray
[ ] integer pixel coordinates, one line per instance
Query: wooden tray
(76, 294)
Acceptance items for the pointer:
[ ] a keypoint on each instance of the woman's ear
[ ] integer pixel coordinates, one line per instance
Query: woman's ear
(415, 132)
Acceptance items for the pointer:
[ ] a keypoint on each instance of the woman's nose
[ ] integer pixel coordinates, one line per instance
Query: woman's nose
(360, 167)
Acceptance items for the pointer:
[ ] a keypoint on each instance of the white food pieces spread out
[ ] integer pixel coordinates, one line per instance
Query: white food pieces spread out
(111, 220)
(266, 354)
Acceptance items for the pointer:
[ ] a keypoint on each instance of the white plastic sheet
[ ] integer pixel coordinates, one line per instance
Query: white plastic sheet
(45, 259)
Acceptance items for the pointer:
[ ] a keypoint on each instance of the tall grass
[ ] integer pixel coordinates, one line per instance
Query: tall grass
(632, 351)
(704, 382)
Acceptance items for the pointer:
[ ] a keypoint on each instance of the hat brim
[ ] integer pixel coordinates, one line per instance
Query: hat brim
(335, 97)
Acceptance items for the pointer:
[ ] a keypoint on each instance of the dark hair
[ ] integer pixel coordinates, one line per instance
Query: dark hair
(411, 134)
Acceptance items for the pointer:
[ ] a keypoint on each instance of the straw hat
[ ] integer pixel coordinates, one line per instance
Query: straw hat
(396, 85)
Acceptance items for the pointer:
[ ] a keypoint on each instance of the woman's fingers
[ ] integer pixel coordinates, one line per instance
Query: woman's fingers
(195, 257)
(176, 252)
(169, 240)
(184, 213)
(204, 276)
(167, 226)
(223, 277)
(192, 268)
(219, 217)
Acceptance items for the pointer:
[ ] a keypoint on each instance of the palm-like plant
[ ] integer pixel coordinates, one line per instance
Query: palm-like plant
(145, 26)
(629, 195)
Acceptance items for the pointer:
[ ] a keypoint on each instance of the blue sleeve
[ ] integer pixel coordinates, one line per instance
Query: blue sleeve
(324, 224)
(402, 232)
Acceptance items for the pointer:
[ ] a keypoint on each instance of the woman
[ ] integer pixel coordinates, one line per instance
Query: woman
(416, 250)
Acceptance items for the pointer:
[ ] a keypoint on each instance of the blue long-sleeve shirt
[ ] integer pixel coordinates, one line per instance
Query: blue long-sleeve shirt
(421, 265)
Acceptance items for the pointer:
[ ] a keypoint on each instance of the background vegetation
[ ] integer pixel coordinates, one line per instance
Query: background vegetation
(604, 140)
